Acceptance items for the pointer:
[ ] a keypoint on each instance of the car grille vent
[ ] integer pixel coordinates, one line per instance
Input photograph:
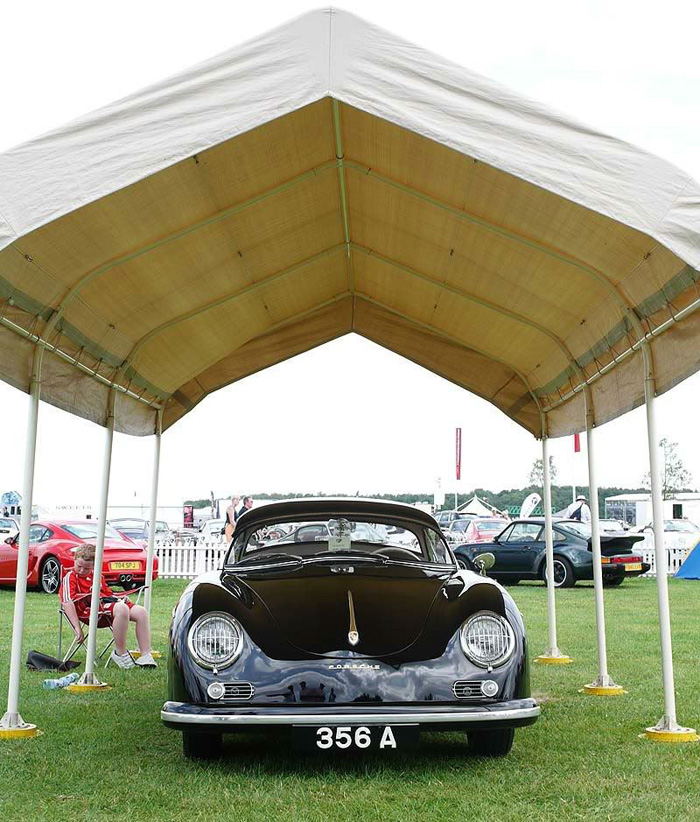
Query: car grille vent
(467, 689)
(238, 691)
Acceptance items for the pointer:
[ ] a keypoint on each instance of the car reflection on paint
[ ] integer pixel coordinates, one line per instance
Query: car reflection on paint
(346, 637)
(520, 553)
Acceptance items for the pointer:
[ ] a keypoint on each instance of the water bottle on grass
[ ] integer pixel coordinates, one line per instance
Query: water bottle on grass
(51, 684)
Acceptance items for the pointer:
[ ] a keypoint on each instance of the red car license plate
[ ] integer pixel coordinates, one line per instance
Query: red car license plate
(331, 738)
(124, 566)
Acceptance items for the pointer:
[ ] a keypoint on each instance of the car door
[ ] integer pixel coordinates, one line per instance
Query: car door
(8, 553)
(517, 549)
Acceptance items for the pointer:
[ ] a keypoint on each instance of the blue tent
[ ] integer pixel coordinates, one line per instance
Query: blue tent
(691, 566)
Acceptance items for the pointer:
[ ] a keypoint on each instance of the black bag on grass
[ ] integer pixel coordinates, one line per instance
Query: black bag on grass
(36, 661)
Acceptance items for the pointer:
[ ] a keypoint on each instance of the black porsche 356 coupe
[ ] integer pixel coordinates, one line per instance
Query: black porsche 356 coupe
(351, 642)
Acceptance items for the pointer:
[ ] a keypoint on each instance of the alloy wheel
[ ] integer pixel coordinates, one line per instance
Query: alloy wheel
(50, 576)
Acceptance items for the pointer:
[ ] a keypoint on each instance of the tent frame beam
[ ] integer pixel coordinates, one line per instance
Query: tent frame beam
(344, 211)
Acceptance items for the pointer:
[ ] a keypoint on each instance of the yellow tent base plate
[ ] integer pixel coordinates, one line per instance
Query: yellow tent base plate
(26, 732)
(681, 735)
(154, 654)
(603, 690)
(81, 689)
(554, 660)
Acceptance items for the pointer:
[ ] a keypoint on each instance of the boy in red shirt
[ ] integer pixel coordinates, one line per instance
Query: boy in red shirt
(75, 591)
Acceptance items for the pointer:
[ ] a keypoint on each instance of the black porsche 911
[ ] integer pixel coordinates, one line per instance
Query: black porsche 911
(349, 643)
(520, 553)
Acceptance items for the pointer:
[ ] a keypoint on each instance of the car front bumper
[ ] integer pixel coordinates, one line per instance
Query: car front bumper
(228, 718)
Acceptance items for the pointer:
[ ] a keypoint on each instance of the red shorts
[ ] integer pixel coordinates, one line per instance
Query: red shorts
(107, 612)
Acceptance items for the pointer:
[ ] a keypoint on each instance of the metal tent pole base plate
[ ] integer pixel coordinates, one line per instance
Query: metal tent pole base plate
(554, 659)
(12, 726)
(670, 732)
(603, 690)
(79, 688)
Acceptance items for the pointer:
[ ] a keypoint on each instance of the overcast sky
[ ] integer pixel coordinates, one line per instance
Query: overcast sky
(627, 68)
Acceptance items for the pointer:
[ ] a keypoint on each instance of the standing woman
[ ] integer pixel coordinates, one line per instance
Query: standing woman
(230, 525)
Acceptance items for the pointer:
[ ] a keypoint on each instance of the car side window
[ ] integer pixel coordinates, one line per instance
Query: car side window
(505, 535)
(558, 536)
(35, 533)
(45, 534)
(524, 532)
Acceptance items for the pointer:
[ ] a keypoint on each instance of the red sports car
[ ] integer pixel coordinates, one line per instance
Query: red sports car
(52, 547)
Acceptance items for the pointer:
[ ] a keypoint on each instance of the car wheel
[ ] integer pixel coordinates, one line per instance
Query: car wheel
(491, 743)
(198, 745)
(50, 575)
(613, 583)
(563, 573)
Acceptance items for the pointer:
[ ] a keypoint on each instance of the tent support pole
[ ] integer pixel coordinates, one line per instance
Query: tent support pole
(603, 685)
(667, 728)
(154, 512)
(89, 681)
(12, 725)
(552, 656)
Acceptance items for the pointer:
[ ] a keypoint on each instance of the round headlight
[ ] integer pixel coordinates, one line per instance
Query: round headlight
(215, 640)
(487, 639)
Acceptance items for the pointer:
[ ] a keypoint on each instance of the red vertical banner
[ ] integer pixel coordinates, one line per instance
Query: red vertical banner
(577, 443)
(458, 452)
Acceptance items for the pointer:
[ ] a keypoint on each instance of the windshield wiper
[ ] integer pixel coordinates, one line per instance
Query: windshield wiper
(346, 556)
(273, 559)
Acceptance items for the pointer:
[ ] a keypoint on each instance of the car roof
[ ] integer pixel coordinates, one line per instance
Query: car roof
(323, 507)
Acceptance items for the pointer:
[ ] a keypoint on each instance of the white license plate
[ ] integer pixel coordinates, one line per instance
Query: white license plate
(326, 739)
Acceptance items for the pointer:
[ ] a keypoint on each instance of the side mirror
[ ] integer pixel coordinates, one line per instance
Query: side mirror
(10, 540)
(484, 562)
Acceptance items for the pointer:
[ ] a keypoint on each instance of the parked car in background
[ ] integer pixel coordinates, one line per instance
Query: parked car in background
(9, 527)
(612, 526)
(346, 642)
(678, 533)
(445, 518)
(52, 547)
(482, 529)
(212, 531)
(138, 529)
(520, 553)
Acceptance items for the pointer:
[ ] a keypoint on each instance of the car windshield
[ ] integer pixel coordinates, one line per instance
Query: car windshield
(384, 540)
(88, 530)
(581, 529)
(491, 526)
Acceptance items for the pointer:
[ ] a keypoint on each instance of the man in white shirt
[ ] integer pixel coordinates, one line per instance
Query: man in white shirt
(579, 510)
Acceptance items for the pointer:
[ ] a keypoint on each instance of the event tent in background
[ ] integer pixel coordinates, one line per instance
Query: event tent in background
(691, 565)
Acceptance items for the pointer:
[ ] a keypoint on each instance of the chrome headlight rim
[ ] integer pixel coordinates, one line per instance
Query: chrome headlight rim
(231, 657)
(504, 624)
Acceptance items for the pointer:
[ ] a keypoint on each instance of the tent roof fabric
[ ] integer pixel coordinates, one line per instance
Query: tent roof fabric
(329, 178)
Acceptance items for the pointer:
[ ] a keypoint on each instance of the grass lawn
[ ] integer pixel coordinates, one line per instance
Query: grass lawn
(108, 756)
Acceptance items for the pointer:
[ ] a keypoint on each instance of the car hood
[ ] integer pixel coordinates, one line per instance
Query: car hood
(313, 606)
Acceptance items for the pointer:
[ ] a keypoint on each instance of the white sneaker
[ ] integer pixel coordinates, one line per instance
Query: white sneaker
(122, 660)
(146, 661)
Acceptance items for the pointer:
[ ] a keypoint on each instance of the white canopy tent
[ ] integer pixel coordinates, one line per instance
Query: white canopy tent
(329, 178)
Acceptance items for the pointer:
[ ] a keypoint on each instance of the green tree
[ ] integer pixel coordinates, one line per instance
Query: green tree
(675, 476)
(536, 476)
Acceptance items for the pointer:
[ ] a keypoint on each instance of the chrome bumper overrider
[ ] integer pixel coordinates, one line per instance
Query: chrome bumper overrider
(516, 712)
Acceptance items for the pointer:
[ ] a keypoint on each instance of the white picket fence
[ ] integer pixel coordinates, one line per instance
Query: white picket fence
(674, 559)
(189, 561)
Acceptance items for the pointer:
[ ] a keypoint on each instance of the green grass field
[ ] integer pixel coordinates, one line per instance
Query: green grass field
(107, 755)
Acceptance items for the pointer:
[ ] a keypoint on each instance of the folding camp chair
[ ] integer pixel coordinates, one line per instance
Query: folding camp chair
(104, 621)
